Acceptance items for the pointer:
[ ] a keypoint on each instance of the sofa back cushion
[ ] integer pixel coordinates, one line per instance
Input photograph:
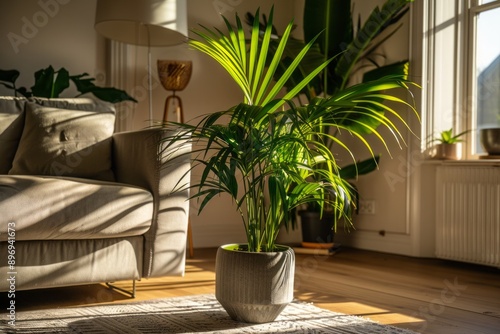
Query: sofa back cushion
(66, 137)
(11, 129)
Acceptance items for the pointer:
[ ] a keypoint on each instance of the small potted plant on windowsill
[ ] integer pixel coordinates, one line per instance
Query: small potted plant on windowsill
(449, 146)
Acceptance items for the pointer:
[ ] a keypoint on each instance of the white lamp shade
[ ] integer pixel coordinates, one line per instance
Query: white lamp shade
(143, 22)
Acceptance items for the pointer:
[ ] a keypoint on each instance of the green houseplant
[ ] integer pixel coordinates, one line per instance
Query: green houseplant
(269, 155)
(448, 145)
(352, 53)
(447, 137)
(50, 83)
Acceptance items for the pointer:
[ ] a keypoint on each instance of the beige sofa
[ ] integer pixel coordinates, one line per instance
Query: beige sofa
(81, 204)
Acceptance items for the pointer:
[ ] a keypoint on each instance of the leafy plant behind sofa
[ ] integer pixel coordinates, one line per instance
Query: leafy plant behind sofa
(50, 84)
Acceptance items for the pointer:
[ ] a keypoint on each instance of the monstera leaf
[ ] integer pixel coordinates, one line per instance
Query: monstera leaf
(50, 83)
(8, 78)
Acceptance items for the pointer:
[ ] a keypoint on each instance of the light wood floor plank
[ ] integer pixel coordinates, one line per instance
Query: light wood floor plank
(424, 295)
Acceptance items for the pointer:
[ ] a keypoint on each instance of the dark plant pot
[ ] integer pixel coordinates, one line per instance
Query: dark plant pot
(254, 287)
(490, 140)
(316, 232)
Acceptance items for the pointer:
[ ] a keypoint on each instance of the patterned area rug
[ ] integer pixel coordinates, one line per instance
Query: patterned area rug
(193, 314)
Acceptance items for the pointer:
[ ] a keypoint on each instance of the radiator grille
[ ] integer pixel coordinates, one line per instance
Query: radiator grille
(468, 214)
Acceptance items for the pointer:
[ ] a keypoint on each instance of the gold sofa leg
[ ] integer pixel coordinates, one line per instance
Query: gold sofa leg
(130, 293)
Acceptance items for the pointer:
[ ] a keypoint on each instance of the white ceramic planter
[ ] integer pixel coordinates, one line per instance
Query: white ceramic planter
(254, 287)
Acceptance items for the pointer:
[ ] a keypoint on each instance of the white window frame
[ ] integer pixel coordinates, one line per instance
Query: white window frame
(448, 76)
(474, 9)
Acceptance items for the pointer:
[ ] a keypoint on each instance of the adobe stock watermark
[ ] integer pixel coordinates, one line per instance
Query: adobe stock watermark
(406, 167)
(140, 92)
(30, 26)
(11, 273)
(309, 266)
(69, 162)
(102, 296)
(223, 6)
(437, 306)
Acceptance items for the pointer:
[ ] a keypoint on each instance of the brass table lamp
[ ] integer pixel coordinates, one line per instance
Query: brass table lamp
(174, 76)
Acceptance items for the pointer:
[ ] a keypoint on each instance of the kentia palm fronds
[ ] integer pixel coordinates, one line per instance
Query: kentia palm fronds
(250, 71)
(267, 154)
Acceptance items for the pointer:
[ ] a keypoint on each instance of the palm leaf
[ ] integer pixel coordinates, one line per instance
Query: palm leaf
(256, 78)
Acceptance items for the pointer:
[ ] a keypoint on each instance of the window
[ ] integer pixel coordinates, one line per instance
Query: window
(486, 67)
(461, 69)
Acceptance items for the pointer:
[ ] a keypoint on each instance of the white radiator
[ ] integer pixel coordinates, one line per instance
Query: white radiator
(468, 214)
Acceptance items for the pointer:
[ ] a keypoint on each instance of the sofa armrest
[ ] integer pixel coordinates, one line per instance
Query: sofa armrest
(140, 159)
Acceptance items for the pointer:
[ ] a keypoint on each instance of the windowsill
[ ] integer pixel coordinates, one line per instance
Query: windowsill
(477, 162)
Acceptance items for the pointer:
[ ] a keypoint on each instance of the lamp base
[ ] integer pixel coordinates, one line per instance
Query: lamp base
(170, 99)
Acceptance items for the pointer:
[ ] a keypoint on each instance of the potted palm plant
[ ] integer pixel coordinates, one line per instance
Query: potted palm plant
(266, 153)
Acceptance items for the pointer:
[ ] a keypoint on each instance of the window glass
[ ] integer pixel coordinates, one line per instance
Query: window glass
(487, 71)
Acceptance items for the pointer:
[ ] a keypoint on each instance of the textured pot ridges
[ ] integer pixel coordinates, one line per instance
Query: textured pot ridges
(254, 287)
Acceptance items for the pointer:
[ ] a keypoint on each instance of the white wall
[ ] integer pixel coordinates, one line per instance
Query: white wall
(39, 33)
(62, 35)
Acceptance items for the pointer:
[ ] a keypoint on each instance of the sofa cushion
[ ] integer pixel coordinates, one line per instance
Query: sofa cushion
(11, 129)
(65, 142)
(71, 208)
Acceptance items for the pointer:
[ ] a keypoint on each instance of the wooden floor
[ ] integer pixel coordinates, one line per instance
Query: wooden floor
(424, 295)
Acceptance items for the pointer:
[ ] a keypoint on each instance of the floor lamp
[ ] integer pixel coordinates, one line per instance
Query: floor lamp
(144, 23)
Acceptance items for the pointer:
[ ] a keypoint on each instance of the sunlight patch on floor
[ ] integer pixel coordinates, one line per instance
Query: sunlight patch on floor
(373, 313)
